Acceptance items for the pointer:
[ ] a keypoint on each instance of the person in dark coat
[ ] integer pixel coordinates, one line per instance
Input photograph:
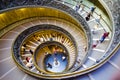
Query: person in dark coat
(88, 17)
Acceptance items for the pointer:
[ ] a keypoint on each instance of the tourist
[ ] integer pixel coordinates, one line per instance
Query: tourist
(42, 40)
(31, 51)
(92, 9)
(24, 47)
(94, 29)
(30, 61)
(63, 58)
(29, 65)
(104, 36)
(49, 65)
(88, 17)
(56, 61)
(27, 59)
(78, 61)
(95, 44)
(62, 40)
(98, 18)
(81, 8)
(77, 7)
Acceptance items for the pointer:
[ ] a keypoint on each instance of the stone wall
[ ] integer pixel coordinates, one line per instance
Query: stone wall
(114, 6)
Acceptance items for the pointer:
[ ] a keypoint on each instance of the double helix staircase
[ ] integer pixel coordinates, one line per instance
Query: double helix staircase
(97, 55)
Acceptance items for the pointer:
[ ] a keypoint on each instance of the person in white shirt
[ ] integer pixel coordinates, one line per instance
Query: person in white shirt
(98, 18)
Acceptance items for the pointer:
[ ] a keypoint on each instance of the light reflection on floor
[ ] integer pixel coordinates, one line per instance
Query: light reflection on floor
(56, 62)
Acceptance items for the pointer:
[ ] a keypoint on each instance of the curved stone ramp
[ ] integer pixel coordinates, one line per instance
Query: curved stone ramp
(5, 48)
(108, 71)
(34, 41)
(72, 29)
(89, 78)
(99, 51)
(8, 67)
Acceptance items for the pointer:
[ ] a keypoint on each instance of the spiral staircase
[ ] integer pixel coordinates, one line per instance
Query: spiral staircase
(33, 28)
